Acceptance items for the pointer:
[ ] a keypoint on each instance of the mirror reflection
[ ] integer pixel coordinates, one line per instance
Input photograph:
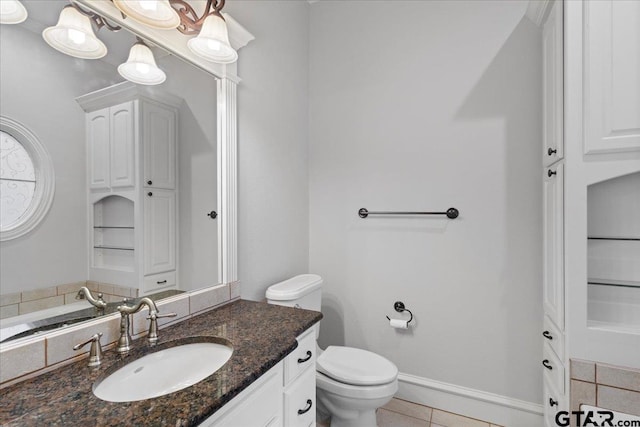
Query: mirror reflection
(133, 211)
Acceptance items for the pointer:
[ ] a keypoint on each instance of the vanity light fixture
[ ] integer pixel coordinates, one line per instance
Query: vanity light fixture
(73, 34)
(212, 41)
(153, 13)
(141, 66)
(12, 12)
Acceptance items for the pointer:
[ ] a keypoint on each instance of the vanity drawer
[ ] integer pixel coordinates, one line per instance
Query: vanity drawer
(300, 400)
(552, 403)
(553, 368)
(553, 336)
(303, 357)
(160, 281)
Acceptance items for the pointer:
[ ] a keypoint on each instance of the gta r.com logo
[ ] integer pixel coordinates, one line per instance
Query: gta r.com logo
(600, 418)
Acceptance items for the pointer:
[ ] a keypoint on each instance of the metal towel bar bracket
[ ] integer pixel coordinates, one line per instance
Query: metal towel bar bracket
(451, 213)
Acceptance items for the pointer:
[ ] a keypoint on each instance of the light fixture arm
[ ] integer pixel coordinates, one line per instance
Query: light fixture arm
(97, 20)
(190, 23)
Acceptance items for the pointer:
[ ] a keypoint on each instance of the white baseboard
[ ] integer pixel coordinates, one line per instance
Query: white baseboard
(494, 408)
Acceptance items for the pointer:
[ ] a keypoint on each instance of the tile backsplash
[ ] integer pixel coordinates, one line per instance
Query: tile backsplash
(605, 386)
(18, 303)
(29, 357)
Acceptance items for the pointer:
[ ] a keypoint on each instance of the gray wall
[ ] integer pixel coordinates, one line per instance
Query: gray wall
(39, 86)
(424, 106)
(272, 154)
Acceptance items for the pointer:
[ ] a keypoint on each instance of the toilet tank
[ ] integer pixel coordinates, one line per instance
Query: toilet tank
(303, 291)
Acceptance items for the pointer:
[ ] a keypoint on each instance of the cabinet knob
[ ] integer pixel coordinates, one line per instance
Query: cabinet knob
(552, 402)
(550, 173)
(547, 335)
(212, 214)
(149, 194)
(307, 408)
(551, 151)
(546, 364)
(149, 182)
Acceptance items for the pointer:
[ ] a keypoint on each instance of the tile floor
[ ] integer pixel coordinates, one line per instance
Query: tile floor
(400, 413)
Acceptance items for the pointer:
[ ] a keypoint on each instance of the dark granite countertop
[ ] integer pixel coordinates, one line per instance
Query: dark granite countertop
(261, 334)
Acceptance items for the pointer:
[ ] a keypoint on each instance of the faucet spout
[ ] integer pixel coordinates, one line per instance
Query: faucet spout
(85, 293)
(124, 342)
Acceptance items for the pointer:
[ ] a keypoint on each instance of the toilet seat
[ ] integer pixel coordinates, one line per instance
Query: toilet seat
(356, 367)
(361, 392)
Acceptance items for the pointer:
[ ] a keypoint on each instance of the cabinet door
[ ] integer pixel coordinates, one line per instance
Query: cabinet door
(552, 58)
(553, 258)
(159, 231)
(122, 141)
(611, 70)
(159, 146)
(98, 148)
(300, 400)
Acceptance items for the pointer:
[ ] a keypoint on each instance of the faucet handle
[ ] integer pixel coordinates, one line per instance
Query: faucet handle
(95, 353)
(153, 316)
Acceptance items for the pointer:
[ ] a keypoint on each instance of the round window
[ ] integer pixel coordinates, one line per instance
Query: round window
(26, 180)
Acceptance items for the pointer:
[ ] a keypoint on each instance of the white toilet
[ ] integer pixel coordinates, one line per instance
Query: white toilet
(350, 383)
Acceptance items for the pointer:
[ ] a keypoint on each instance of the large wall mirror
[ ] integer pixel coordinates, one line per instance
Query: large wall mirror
(42, 269)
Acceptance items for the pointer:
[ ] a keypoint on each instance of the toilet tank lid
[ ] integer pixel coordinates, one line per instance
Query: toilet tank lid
(294, 288)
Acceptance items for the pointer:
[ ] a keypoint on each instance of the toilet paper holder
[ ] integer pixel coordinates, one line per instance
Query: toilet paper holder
(399, 307)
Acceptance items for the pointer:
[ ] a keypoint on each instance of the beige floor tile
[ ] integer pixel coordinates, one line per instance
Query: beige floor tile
(393, 419)
(409, 408)
(447, 419)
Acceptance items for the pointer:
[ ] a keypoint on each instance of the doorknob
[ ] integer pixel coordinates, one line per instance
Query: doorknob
(212, 215)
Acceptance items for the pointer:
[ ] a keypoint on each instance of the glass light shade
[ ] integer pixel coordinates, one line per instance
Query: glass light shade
(141, 67)
(12, 12)
(154, 13)
(213, 41)
(74, 36)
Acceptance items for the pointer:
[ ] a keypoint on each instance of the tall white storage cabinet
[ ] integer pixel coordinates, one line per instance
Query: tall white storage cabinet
(132, 174)
(591, 116)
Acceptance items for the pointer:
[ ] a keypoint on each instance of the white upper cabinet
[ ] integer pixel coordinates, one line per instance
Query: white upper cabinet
(159, 146)
(553, 243)
(98, 148)
(611, 76)
(552, 54)
(111, 146)
(122, 142)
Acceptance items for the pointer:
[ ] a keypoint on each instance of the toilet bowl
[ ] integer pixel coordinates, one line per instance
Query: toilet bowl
(350, 383)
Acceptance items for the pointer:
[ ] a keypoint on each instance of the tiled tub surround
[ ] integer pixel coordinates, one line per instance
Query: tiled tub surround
(18, 303)
(261, 335)
(605, 386)
(27, 357)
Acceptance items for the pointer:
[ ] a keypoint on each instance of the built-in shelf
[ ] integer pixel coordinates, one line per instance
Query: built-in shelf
(609, 282)
(614, 238)
(115, 248)
(114, 227)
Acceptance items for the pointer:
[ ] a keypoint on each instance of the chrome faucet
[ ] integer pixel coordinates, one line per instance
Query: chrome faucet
(85, 293)
(124, 342)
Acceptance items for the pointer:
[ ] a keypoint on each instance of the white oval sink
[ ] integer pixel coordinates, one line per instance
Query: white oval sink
(163, 372)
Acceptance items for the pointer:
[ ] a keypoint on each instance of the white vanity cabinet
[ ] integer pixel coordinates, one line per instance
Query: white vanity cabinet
(132, 177)
(285, 396)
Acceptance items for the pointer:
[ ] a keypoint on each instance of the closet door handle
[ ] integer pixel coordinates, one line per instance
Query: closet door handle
(149, 194)
(306, 359)
(550, 173)
(547, 335)
(305, 410)
(149, 182)
(546, 364)
(551, 151)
